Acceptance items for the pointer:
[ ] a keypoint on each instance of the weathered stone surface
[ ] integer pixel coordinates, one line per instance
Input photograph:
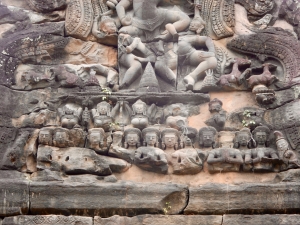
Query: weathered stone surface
(14, 193)
(292, 175)
(244, 198)
(78, 161)
(160, 219)
(85, 195)
(48, 220)
(261, 219)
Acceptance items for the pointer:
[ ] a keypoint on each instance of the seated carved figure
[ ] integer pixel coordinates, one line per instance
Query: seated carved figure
(151, 158)
(45, 136)
(139, 117)
(148, 19)
(176, 117)
(70, 115)
(207, 138)
(224, 160)
(101, 116)
(218, 118)
(242, 141)
(132, 142)
(170, 138)
(262, 157)
(187, 160)
(95, 140)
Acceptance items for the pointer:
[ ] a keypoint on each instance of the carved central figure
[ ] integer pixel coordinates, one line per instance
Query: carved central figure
(148, 19)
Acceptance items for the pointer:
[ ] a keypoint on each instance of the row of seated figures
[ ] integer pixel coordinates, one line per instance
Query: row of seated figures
(171, 151)
(139, 115)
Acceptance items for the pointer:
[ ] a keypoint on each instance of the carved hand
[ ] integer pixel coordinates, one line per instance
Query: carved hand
(126, 20)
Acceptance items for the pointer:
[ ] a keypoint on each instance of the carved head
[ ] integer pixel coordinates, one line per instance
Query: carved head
(95, 137)
(45, 136)
(207, 137)
(150, 136)
(261, 135)
(107, 25)
(139, 108)
(197, 25)
(243, 138)
(103, 108)
(61, 137)
(132, 137)
(170, 137)
(215, 105)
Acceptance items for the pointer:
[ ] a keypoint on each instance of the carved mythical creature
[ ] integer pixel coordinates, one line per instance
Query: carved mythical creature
(236, 76)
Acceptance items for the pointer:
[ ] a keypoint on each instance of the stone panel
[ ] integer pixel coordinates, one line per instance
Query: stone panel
(95, 198)
(14, 193)
(244, 198)
(160, 219)
(261, 219)
(48, 220)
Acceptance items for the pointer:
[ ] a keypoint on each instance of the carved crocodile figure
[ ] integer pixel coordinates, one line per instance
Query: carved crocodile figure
(275, 43)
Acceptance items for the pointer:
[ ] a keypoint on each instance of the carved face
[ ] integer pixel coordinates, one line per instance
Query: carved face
(215, 107)
(151, 138)
(109, 27)
(132, 139)
(208, 139)
(196, 26)
(102, 109)
(176, 111)
(45, 137)
(95, 138)
(139, 108)
(260, 138)
(69, 121)
(243, 139)
(60, 139)
(170, 140)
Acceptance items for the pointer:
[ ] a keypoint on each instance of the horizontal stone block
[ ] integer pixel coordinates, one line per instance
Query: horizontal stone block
(248, 198)
(47, 220)
(99, 198)
(278, 219)
(14, 193)
(160, 219)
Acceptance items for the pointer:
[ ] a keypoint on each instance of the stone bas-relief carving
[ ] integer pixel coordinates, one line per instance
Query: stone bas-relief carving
(188, 160)
(218, 114)
(131, 143)
(150, 157)
(263, 158)
(76, 115)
